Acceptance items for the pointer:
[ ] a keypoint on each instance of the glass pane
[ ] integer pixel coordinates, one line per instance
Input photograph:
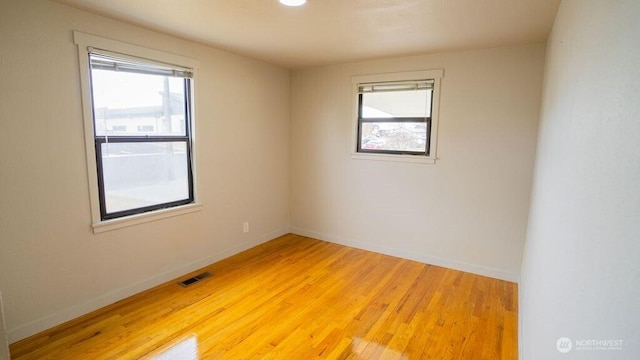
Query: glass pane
(405, 136)
(143, 174)
(131, 104)
(414, 103)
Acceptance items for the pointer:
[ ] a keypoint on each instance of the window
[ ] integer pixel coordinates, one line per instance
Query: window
(138, 128)
(395, 118)
(140, 172)
(396, 115)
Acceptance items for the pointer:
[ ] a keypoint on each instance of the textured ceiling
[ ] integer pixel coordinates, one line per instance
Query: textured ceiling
(331, 31)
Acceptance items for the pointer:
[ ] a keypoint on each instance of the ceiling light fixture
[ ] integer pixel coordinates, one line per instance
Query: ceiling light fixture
(293, 2)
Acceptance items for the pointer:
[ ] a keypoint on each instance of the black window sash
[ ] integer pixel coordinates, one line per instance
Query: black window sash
(100, 140)
(362, 120)
(186, 138)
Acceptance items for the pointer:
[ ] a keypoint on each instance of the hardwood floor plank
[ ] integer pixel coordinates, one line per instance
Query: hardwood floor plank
(299, 298)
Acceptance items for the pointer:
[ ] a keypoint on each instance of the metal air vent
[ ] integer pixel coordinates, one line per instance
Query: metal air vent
(195, 279)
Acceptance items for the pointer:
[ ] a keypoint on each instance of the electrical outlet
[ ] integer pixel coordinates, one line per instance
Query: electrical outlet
(245, 226)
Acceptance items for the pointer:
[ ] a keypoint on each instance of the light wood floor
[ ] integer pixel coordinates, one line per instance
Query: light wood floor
(299, 298)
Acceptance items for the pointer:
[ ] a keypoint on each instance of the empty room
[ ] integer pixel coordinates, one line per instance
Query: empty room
(320, 179)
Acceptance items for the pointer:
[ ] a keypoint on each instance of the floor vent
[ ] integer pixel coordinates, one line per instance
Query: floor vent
(195, 279)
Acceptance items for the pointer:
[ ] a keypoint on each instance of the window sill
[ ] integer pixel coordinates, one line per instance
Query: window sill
(114, 224)
(394, 158)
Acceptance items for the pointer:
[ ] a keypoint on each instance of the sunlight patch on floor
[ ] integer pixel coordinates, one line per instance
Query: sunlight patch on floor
(360, 346)
(184, 350)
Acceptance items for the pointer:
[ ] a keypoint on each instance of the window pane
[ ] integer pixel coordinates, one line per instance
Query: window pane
(144, 174)
(414, 103)
(129, 104)
(390, 136)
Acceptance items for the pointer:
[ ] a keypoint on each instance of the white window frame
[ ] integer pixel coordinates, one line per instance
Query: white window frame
(436, 75)
(85, 42)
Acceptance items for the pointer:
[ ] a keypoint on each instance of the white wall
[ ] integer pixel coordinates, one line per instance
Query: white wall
(52, 267)
(581, 269)
(469, 210)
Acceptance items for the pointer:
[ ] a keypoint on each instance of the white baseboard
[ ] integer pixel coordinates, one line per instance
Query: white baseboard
(31, 328)
(72, 312)
(410, 255)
